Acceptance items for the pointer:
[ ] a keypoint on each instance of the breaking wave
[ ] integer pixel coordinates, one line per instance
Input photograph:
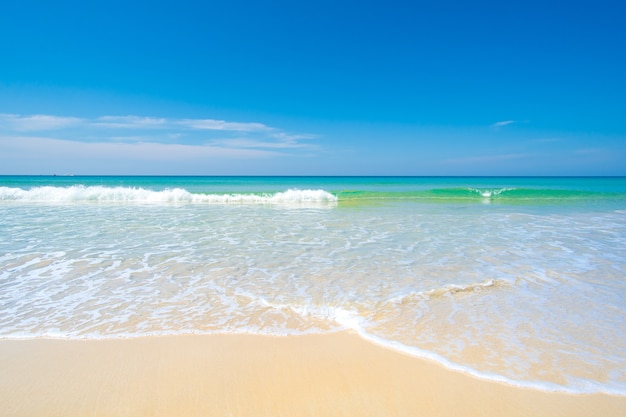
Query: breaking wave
(99, 194)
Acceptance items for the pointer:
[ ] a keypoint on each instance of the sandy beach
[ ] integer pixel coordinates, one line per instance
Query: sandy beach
(245, 375)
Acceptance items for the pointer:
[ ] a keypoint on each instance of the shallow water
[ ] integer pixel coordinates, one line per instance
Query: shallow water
(518, 280)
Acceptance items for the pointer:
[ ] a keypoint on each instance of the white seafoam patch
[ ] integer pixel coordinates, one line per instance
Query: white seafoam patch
(80, 193)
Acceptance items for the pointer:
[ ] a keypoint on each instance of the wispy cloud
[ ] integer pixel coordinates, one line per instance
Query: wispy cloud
(51, 122)
(212, 124)
(504, 123)
(287, 137)
(253, 144)
(117, 138)
(37, 122)
(53, 148)
(129, 122)
(130, 139)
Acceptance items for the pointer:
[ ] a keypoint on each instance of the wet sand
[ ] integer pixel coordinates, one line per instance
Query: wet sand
(244, 375)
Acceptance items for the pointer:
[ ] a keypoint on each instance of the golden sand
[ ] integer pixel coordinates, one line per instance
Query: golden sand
(244, 375)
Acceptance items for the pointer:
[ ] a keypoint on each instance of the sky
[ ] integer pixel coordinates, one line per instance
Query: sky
(313, 87)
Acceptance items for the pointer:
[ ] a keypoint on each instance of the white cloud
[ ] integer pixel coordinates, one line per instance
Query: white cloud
(30, 147)
(130, 139)
(211, 124)
(130, 122)
(108, 140)
(251, 143)
(291, 137)
(503, 123)
(16, 122)
(37, 122)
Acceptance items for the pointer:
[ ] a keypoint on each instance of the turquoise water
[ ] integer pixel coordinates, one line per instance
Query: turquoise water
(521, 280)
(349, 188)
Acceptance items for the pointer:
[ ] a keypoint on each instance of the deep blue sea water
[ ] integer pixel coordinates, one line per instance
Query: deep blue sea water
(521, 280)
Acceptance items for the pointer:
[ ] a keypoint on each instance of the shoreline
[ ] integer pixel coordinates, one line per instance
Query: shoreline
(338, 374)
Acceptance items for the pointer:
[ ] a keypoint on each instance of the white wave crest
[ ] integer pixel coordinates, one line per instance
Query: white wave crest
(490, 193)
(79, 193)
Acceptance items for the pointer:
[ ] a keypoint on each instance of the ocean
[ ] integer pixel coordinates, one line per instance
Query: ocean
(518, 280)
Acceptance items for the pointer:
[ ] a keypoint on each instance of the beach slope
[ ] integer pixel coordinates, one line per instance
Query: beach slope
(245, 375)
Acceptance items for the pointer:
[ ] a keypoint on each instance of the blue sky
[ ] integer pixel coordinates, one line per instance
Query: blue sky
(313, 88)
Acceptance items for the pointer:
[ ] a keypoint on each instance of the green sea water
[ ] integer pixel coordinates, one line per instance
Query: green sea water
(507, 190)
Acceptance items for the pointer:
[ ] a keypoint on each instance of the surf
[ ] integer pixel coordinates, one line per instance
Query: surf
(101, 194)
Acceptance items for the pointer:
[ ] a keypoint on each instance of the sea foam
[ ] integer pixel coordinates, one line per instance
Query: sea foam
(80, 193)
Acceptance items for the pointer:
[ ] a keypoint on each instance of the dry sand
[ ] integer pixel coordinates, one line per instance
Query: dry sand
(244, 375)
